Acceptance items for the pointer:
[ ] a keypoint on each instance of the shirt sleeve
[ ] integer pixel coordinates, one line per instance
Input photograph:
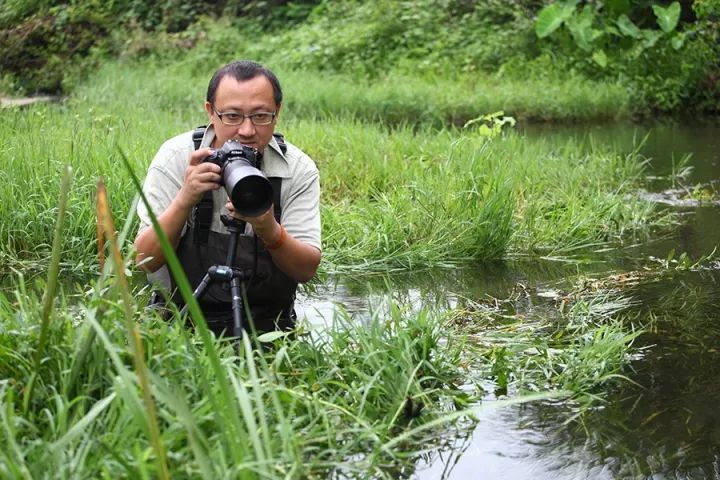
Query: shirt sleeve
(160, 186)
(301, 212)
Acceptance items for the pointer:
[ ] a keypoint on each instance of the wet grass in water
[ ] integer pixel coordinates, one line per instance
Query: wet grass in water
(357, 400)
(296, 409)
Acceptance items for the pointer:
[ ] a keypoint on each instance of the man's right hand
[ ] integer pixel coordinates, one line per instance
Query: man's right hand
(200, 177)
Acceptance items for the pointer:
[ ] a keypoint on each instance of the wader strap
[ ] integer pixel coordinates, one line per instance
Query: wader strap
(280, 139)
(198, 135)
(203, 211)
(276, 183)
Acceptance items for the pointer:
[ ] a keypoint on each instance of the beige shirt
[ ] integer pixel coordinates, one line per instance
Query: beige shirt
(299, 195)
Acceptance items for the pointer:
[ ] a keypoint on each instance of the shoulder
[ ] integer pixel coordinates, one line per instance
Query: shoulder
(174, 150)
(172, 158)
(300, 163)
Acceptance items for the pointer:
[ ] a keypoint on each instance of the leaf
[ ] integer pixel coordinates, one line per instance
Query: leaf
(580, 27)
(678, 41)
(667, 17)
(627, 27)
(610, 29)
(552, 17)
(271, 336)
(79, 427)
(651, 38)
(600, 57)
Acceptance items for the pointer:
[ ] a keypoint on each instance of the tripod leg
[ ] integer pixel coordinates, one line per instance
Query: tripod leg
(199, 292)
(237, 308)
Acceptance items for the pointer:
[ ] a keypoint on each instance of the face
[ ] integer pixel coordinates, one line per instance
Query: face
(245, 97)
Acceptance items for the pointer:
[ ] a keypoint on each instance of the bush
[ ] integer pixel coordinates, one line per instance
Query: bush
(665, 53)
(44, 48)
(47, 45)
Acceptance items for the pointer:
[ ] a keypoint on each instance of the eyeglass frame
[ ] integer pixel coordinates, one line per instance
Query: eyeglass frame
(251, 116)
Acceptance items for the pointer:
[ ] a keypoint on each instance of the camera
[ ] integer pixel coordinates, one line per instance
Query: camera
(250, 192)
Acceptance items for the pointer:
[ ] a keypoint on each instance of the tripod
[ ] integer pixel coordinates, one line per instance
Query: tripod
(228, 273)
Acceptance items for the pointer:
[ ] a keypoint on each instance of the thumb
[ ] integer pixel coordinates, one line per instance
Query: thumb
(199, 155)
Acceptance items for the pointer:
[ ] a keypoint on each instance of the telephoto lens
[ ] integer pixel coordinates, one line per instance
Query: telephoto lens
(250, 192)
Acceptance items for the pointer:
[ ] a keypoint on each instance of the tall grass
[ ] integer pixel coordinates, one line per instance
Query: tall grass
(442, 101)
(393, 196)
(303, 407)
(358, 400)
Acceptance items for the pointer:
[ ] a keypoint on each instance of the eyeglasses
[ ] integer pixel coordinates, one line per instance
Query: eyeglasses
(235, 118)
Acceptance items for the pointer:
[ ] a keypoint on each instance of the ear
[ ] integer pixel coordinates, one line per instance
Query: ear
(209, 110)
(277, 112)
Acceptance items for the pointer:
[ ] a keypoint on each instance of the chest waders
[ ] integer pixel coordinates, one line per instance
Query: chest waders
(269, 292)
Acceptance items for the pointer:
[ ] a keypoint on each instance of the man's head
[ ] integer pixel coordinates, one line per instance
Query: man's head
(235, 92)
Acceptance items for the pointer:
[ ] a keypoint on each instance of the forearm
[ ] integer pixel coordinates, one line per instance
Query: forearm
(147, 242)
(296, 259)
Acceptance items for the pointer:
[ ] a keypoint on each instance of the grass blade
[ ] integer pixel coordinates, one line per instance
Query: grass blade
(49, 297)
(134, 340)
(226, 407)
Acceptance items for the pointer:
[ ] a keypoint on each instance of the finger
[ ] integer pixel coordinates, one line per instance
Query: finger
(199, 155)
(207, 177)
(207, 167)
(202, 187)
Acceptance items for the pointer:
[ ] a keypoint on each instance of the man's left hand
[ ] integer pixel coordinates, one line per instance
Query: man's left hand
(264, 225)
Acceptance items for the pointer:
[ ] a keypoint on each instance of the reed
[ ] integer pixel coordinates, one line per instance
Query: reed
(52, 282)
(107, 231)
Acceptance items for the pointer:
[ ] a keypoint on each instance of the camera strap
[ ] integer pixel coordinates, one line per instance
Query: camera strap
(203, 211)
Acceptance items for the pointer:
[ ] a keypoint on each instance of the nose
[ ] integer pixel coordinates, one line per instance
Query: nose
(246, 128)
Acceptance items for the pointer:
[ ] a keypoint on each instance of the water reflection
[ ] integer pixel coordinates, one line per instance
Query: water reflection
(664, 144)
(664, 426)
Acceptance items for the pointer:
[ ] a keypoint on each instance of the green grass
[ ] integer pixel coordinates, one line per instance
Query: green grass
(442, 101)
(358, 399)
(295, 410)
(399, 195)
(116, 390)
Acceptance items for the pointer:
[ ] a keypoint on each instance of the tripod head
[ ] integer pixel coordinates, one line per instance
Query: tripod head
(233, 224)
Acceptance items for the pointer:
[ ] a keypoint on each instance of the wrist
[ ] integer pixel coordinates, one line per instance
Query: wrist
(184, 201)
(279, 239)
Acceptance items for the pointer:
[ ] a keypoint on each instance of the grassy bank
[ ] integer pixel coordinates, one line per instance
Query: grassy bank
(398, 195)
(359, 399)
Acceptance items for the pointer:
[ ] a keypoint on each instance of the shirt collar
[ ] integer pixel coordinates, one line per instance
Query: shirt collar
(274, 164)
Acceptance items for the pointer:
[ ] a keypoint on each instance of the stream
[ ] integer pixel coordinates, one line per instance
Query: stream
(664, 423)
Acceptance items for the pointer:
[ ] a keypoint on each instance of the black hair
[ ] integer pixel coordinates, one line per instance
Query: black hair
(244, 70)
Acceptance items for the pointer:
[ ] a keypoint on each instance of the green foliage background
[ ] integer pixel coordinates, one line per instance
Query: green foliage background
(49, 45)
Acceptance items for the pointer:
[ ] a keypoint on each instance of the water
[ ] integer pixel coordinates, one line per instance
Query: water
(666, 426)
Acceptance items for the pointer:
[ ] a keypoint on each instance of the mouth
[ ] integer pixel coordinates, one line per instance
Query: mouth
(245, 142)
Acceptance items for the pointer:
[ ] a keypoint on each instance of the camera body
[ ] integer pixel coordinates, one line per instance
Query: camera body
(250, 191)
(233, 151)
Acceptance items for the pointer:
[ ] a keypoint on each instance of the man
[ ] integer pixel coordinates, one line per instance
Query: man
(243, 103)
